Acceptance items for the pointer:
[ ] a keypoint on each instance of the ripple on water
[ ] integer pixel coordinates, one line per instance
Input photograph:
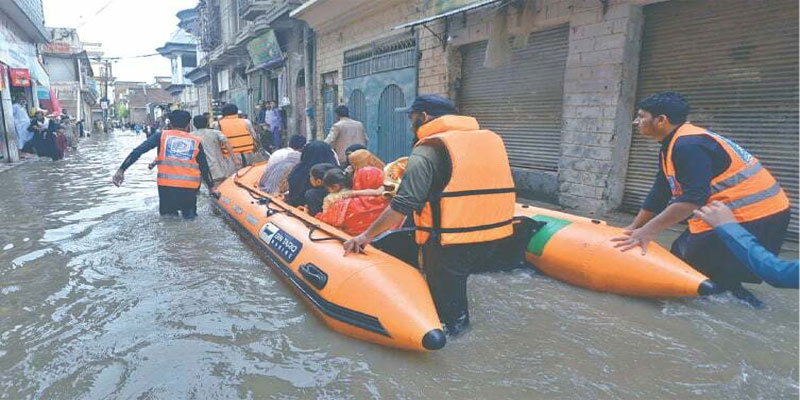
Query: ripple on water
(107, 300)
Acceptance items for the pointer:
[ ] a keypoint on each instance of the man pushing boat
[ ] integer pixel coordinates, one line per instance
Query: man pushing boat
(459, 188)
(698, 167)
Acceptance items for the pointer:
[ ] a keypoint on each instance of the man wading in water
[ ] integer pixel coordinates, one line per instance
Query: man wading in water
(459, 187)
(181, 163)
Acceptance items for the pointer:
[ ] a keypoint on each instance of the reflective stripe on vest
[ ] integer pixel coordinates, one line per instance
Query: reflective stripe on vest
(746, 187)
(477, 205)
(180, 177)
(179, 164)
(240, 139)
(177, 160)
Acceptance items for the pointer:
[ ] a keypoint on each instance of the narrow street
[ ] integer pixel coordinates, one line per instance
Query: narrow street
(102, 298)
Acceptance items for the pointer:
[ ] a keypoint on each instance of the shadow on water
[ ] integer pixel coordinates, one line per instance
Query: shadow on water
(101, 298)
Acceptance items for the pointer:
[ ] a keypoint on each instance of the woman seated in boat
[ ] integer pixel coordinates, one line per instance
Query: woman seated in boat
(362, 158)
(315, 152)
(355, 213)
(316, 195)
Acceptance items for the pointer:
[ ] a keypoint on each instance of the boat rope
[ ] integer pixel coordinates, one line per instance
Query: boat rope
(268, 201)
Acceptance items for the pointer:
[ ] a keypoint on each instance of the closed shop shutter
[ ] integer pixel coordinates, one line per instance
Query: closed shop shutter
(736, 63)
(520, 101)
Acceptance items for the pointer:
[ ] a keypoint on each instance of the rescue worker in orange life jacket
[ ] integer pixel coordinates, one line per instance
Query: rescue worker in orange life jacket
(181, 164)
(240, 133)
(458, 186)
(698, 167)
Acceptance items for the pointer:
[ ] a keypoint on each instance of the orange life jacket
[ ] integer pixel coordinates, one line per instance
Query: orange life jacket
(235, 129)
(177, 160)
(477, 203)
(746, 187)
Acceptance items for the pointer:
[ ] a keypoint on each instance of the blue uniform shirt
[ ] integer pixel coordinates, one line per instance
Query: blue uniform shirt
(697, 159)
(758, 259)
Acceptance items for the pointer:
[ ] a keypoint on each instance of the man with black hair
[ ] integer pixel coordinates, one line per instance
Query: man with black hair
(181, 164)
(697, 167)
(459, 189)
(296, 144)
(240, 133)
(344, 133)
(214, 144)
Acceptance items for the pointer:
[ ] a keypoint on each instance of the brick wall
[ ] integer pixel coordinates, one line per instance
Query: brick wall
(599, 92)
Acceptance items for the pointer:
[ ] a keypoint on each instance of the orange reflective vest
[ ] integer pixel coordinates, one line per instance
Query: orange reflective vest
(477, 203)
(177, 160)
(746, 187)
(235, 129)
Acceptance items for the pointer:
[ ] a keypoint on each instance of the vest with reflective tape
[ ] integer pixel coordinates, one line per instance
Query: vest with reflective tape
(746, 187)
(235, 129)
(177, 160)
(477, 202)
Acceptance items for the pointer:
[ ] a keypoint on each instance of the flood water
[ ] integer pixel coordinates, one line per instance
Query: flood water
(101, 298)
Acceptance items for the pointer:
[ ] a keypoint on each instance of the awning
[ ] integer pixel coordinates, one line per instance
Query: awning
(468, 7)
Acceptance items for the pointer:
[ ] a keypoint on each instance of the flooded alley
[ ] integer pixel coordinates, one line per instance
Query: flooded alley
(102, 298)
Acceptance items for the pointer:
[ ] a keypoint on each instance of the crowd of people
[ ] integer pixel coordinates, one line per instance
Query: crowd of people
(45, 135)
(458, 189)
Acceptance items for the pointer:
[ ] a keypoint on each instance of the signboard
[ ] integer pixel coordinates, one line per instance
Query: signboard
(104, 104)
(2, 77)
(20, 77)
(265, 50)
(58, 48)
(441, 6)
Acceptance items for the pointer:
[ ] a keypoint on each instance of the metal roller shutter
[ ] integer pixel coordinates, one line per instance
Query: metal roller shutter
(736, 62)
(520, 101)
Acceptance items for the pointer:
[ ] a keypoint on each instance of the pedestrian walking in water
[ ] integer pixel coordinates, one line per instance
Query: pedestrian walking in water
(214, 144)
(181, 164)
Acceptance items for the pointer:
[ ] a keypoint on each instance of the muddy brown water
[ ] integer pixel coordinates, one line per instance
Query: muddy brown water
(101, 298)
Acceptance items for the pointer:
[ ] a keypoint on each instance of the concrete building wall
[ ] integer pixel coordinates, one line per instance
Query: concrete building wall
(599, 90)
(376, 22)
(60, 69)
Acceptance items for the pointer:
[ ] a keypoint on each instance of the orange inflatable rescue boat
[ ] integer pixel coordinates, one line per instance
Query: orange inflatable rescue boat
(372, 296)
(579, 251)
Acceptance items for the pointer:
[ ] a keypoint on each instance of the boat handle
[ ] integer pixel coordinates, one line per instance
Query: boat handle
(314, 275)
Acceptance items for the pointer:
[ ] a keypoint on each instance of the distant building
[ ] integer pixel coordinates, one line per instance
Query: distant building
(181, 50)
(71, 76)
(21, 72)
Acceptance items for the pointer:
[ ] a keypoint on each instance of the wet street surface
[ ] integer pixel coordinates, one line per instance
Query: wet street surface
(101, 298)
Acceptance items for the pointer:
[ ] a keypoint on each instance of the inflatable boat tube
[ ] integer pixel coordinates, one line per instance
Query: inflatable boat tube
(372, 296)
(579, 251)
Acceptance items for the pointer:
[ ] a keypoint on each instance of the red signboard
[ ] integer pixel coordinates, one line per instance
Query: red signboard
(19, 77)
(2, 77)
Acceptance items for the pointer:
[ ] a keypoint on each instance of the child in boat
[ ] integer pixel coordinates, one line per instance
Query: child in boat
(354, 214)
(339, 184)
(314, 197)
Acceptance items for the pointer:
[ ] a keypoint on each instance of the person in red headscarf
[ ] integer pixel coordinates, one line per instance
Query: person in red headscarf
(355, 214)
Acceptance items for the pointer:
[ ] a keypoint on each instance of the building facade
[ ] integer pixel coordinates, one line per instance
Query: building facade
(252, 52)
(559, 81)
(21, 73)
(71, 76)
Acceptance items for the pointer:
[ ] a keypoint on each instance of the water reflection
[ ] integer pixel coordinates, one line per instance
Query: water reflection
(101, 298)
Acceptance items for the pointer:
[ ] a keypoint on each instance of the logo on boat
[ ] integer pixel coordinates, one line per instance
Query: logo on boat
(280, 242)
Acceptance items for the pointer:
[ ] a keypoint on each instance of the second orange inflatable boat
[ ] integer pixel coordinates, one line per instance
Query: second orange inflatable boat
(579, 251)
